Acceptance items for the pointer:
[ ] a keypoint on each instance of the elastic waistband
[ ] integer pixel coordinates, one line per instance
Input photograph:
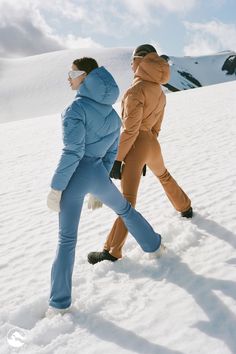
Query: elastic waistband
(92, 158)
(147, 130)
(146, 133)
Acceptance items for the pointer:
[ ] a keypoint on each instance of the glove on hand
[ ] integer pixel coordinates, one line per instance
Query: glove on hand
(144, 170)
(53, 200)
(116, 170)
(94, 203)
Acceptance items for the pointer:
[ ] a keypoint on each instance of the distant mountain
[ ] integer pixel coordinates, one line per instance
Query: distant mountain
(191, 72)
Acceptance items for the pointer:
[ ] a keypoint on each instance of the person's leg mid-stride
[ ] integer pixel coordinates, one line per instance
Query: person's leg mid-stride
(91, 177)
(146, 150)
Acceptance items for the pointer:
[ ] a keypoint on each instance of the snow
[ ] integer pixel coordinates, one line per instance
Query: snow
(182, 303)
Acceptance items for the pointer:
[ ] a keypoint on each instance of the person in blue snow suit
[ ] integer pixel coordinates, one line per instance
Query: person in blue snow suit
(91, 130)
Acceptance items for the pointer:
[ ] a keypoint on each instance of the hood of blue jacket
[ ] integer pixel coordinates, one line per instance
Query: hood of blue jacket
(100, 86)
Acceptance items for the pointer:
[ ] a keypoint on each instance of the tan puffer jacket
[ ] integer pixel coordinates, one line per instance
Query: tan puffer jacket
(144, 102)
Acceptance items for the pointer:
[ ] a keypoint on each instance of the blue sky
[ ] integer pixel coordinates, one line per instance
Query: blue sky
(175, 27)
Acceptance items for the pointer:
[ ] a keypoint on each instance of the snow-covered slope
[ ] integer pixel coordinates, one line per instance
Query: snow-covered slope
(184, 303)
(37, 85)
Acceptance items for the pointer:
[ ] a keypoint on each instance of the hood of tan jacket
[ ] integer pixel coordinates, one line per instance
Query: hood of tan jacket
(153, 68)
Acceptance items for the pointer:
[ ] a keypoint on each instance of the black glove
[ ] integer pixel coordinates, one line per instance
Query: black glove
(116, 170)
(144, 170)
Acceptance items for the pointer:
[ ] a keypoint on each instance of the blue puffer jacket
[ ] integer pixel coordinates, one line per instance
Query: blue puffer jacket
(91, 127)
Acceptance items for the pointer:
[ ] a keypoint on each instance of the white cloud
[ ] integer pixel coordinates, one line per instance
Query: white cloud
(24, 31)
(146, 7)
(210, 37)
(66, 8)
(177, 5)
(72, 41)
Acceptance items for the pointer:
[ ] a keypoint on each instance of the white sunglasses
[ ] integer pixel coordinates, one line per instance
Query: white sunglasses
(73, 74)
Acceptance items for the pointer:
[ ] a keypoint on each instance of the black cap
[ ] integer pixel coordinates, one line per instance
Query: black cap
(143, 50)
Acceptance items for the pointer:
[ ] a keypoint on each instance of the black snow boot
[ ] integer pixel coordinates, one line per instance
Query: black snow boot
(188, 213)
(95, 257)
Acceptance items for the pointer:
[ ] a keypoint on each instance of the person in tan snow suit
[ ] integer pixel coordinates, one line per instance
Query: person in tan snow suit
(143, 108)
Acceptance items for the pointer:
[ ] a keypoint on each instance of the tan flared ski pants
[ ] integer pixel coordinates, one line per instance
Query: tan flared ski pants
(146, 150)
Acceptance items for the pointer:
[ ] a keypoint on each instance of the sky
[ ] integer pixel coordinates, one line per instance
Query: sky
(175, 27)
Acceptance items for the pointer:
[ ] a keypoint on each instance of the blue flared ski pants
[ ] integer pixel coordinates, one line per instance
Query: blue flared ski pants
(92, 177)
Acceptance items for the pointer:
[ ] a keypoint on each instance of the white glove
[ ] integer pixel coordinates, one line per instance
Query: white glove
(94, 203)
(53, 200)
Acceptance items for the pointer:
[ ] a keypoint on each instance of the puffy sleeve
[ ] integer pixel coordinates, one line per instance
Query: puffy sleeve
(132, 116)
(110, 156)
(74, 146)
(157, 127)
(159, 116)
